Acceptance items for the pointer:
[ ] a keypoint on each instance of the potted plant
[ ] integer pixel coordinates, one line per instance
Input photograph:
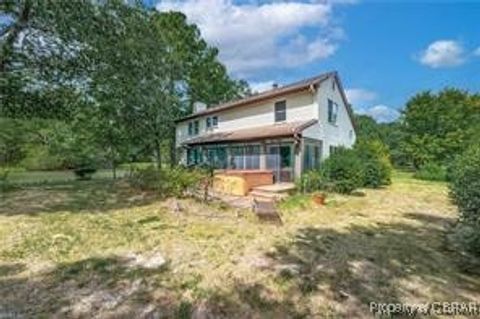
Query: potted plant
(319, 198)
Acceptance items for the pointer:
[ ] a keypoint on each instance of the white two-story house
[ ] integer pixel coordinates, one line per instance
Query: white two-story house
(287, 129)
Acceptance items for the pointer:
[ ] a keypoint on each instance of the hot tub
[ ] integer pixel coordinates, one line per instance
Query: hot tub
(240, 182)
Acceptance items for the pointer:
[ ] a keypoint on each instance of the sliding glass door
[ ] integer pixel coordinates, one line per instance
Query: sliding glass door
(280, 161)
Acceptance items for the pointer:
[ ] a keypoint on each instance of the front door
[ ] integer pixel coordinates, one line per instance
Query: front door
(280, 161)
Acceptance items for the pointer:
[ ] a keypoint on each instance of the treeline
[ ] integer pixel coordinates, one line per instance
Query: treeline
(432, 131)
(100, 83)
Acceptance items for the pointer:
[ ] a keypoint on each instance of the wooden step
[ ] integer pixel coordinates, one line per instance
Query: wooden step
(267, 195)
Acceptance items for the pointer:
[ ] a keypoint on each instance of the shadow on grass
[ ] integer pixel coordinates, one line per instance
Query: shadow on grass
(386, 263)
(111, 287)
(90, 286)
(74, 196)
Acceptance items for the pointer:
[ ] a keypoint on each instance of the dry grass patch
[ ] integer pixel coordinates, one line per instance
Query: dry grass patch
(73, 257)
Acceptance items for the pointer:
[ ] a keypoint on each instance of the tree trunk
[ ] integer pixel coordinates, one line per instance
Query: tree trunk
(173, 155)
(158, 154)
(114, 170)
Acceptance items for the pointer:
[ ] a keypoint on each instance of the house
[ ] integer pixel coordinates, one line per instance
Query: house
(287, 130)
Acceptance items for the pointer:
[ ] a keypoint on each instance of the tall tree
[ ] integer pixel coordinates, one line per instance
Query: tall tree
(439, 126)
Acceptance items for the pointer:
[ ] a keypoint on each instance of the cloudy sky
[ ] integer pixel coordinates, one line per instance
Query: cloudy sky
(384, 51)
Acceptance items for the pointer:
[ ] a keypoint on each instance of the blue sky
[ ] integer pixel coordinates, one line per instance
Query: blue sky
(384, 51)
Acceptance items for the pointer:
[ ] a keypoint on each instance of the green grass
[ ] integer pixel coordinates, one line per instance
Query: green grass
(64, 251)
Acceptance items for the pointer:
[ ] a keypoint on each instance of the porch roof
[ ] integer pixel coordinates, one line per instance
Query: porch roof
(287, 129)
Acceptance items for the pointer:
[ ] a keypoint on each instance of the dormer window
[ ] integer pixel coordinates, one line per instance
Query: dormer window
(280, 111)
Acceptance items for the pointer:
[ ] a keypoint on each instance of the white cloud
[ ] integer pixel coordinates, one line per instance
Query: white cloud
(381, 113)
(443, 53)
(256, 36)
(358, 97)
(477, 52)
(261, 86)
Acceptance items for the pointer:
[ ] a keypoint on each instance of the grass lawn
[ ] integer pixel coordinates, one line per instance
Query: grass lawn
(75, 250)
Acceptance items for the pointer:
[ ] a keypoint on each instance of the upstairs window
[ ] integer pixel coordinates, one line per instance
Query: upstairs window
(280, 111)
(332, 112)
(211, 122)
(190, 128)
(196, 127)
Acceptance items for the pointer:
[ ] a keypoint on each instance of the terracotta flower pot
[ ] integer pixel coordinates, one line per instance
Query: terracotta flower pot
(319, 198)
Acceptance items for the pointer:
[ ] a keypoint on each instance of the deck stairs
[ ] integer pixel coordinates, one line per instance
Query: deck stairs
(274, 192)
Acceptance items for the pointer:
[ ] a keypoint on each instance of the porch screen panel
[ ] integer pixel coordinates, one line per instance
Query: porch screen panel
(252, 157)
(217, 157)
(237, 158)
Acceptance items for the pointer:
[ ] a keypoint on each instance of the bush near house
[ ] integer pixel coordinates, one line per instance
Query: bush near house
(375, 159)
(465, 192)
(166, 182)
(366, 165)
(431, 172)
(340, 173)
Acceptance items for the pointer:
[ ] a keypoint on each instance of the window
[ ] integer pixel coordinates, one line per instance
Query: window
(332, 112)
(194, 156)
(196, 127)
(311, 156)
(333, 149)
(280, 111)
(190, 128)
(333, 85)
(211, 122)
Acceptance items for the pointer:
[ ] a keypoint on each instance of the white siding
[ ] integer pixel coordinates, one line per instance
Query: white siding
(300, 107)
(340, 134)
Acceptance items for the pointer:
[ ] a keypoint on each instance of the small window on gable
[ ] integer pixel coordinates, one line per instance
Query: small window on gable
(196, 127)
(333, 149)
(333, 85)
(280, 111)
(332, 112)
(215, 121)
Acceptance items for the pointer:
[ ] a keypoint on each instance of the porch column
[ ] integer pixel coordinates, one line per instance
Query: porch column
(298, 149)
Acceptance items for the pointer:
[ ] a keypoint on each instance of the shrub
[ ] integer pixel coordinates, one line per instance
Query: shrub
(431, 172)
(376, 165)
(465, 192)
(166, 182)
(342, 171)
(84, 172)
(38, 157)
(312, 181)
